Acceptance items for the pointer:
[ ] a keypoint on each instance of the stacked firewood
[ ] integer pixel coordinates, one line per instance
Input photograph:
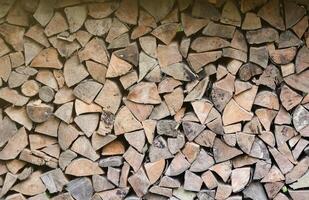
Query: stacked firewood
(154, 99)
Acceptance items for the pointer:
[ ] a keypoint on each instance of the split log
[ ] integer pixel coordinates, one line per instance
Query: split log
(154, 98)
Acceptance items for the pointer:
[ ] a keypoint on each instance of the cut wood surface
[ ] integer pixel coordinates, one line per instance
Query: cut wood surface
(154, 99)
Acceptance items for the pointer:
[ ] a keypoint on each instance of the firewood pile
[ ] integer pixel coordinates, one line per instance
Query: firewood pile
(154, 99)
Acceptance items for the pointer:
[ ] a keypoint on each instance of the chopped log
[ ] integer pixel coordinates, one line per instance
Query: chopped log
(120, 42)
(199, 164)
(100, 183)
(281, 56)
(65, 48)
(230, 14)
(128, 11)
(255, 191)
(18, 115)
(168, 54)
(251, 21)
(139, 182)
(270, 12)
(47, 78)
(65, 112)
(223, 169)
(113, 148)
(301, 26)
(89, 168)
(209, 179)
(46, 94)
(289, 98)
(117, 67)
(109, 97)
(57, 24)
(262, 35)
(267, 99)
(198, 60)
(192, 25)
(159, 9)
(166, 32)
(31, 186)
(233, 113)
(223, 191)
(76, 16)
(12, 96)
(36, 33)
(80, 188)
(87, 90)
(178, 165)
(149, 45)
(39, 112)
(220, 30)
(82, 122)
(15, 145)
(302, 61)
(259, 55)
(4, 48)
(240, 178)
(95, 50)
(201, 44)
(300, 120)
(54, 180)
(221, 149)
(137, 144)
(298, 81)
(9, 181)
(13, 35)
(47, 58)
(145, 93)
(154, 170)
(98, 27)
(74, 71)
(125, 122)
(97, 71)
(113, 175)
(83, 147)
(288, 39)
(192, 181)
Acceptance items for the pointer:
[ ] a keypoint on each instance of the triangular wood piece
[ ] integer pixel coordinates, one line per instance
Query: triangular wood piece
(293, 13)
(125, 122)
(223, 152)
(96, 51)
(233, 113)
(47, 58)
(130, 53)
(76, 16)
(117, 67)
(128, 11)
(74, 71)
(192, 25)
(64, 112)
(198, 60)
(158, 9)
(87, 123)
(166, 32)
(109, 97)
(192, 129)
(145, 92)
(270, 12)
(139, 143)
(266, 117)
(230, 14)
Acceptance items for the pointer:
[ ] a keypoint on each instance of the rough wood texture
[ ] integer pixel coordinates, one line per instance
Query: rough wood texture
(154, 99)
